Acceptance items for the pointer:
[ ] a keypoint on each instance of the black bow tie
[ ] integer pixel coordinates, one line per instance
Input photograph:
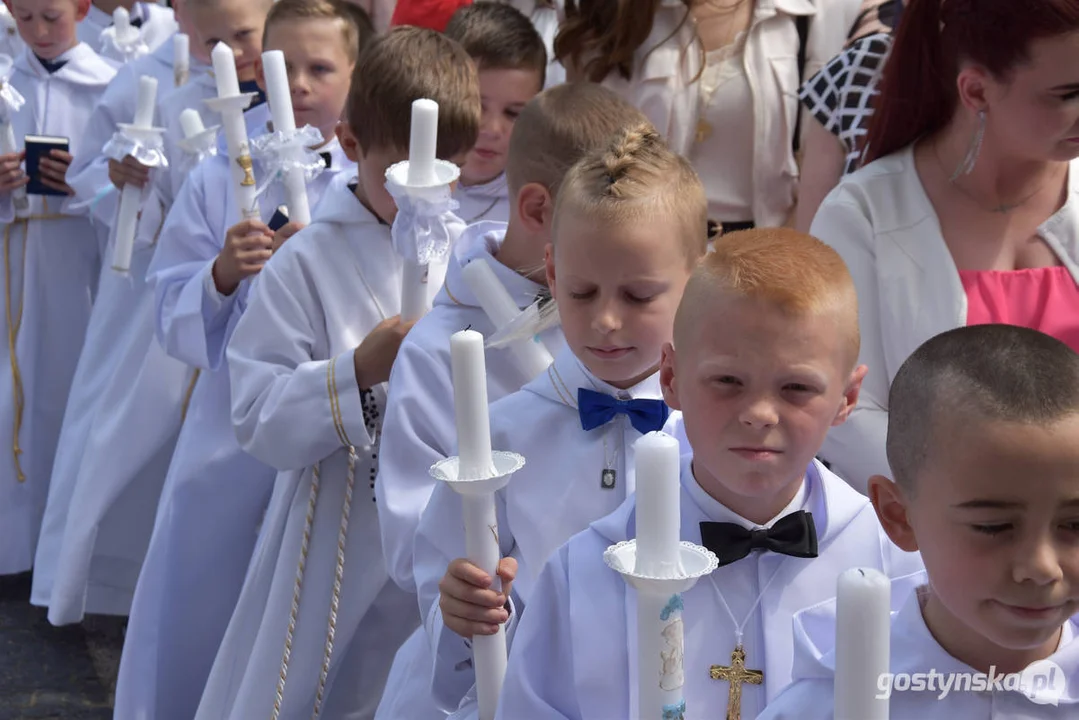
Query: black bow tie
(136, 22)
(793, 535)
(51, 66)
(328, 159)
(252, 86)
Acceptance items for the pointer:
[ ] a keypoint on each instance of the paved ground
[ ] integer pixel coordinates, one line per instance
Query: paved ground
(66, 673)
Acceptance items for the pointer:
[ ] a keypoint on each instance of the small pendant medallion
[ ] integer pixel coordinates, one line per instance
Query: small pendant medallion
(607, 479)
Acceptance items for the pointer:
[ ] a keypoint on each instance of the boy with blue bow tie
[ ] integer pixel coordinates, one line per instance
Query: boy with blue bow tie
(756, 400)
(617, 289)
(156, 24)
(983, 442)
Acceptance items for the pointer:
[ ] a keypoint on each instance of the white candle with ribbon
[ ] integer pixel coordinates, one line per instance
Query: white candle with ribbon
(863, 644)
(181, 58)
(529, 354)
(231, 105)
(279, 95)
(658, 465)
(121, 22)
(481, 524)
(127, 217)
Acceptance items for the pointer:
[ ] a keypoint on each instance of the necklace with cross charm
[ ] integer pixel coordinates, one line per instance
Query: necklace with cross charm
(736, 674)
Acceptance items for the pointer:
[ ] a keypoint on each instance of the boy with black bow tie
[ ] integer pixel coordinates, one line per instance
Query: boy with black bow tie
(757, 399)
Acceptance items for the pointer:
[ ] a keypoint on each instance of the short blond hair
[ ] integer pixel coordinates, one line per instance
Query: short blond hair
(638, 176)
(560, 126)
(404, 65)
(790, 270)
(355, 23)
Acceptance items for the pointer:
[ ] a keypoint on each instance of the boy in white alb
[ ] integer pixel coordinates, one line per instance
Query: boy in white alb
(555, 129)
(52, 261)
(96, 561)
(983, 442)
(318, 619)
(215, 493)
(113, 326)
(628, 227)
(156, 23)
(511, 61)
(756, 401)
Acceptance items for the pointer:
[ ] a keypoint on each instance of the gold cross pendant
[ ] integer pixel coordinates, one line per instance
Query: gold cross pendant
(736, 674)
(704, 131)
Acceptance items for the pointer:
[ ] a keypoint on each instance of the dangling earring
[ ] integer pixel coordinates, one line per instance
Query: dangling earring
(973, 150)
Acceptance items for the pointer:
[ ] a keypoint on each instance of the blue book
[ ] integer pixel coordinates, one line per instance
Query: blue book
(37, 147)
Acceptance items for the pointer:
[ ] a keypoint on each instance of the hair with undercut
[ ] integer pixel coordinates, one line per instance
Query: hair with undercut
(975, 374)
(790, 270)
(560, 126)
(354, 22)
(499, 37)
(637, 177)
(405, 65)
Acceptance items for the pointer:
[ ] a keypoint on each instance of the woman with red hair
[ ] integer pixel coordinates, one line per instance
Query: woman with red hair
(968, 209)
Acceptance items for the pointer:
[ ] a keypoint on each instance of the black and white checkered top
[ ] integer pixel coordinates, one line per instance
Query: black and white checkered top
(840, 95)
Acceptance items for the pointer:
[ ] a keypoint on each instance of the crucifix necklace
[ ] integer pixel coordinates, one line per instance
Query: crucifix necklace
(736, 674)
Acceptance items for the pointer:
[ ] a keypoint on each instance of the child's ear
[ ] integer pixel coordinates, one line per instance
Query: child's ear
(850, 395)
(534, 208)
(667, 382)
(890, 502)
(348, 142)
(81, 11)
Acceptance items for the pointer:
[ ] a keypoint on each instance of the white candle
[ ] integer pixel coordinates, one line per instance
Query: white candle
(658, 505)
(863, 634)
(191, 123)
(19, 200)
(146, 101)
(423, 141)
(277, 91)
(127, 217)
(224, 61)
(280, 98)
(488, 651)
(413, 291)
(531, 357)
(121, 20)
(660, 643)
(470, 404)
(181, 58)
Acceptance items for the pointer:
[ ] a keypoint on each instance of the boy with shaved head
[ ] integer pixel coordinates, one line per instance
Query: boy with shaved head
(983, 443)
(757, 399)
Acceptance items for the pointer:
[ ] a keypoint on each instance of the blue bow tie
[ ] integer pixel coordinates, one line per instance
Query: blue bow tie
(598, 409)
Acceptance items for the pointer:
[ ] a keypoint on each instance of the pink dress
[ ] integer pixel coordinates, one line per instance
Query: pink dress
(1044, 299)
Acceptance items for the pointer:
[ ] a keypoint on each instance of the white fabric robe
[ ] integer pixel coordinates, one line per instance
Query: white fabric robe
(159, 24)
(295, 405)
(419, 431)
(112, 325)
(51, 271)
(914, 651)
(214, 494)
(489, 202)
(200, 86)
(554, 496)
(129, 448)
(575, 650)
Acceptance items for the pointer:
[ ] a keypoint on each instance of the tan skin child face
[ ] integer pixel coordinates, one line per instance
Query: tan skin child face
(48, 26)
(503, 94)
(995, 514)
(238, 24)
(758, 390)
(319, 70)
(617, 287)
